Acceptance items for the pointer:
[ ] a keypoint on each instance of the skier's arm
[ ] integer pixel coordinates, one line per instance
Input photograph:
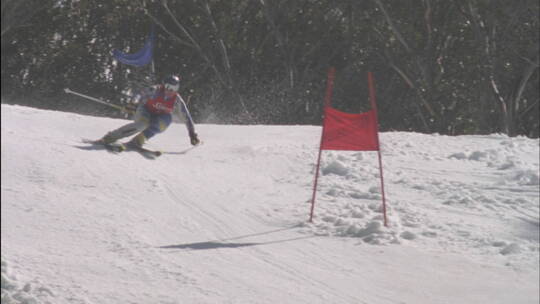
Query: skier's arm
(183, 113)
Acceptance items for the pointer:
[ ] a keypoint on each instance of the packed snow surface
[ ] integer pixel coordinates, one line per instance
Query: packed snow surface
(226, 222)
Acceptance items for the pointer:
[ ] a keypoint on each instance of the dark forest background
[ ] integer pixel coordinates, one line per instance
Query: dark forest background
(440, 66)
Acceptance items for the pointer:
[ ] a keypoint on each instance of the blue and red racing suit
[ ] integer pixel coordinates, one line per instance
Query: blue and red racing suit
(158, 109)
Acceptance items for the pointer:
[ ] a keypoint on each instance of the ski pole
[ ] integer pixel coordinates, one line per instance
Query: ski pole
(123, 109)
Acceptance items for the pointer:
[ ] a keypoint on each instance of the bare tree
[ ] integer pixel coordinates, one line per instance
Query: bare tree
(223, 74)
(491, 33)
(422, 68)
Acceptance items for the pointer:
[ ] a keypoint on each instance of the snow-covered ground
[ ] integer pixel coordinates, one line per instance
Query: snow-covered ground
(226, 222)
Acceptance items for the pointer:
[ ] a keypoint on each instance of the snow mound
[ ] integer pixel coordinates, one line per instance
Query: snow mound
(492, 186)
(335, 167)
(14, 292)
(526, 177)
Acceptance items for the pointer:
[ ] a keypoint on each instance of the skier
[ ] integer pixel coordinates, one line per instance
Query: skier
(154, 115)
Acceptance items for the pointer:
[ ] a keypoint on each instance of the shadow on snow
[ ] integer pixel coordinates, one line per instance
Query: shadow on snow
(226, 243)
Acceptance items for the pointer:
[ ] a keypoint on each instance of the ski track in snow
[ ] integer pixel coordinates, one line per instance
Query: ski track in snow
(226, 222)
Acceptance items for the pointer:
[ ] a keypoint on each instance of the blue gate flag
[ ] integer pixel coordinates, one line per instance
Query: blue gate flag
(139, 58)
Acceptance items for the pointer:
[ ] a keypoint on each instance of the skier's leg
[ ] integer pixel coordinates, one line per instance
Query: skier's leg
(158, 124)
(141, 121)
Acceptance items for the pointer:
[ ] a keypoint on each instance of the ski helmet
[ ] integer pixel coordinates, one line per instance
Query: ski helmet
(172, 82)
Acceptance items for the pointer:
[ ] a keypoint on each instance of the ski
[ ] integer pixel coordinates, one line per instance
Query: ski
(121, 147)
(145, 152)
(113, 147)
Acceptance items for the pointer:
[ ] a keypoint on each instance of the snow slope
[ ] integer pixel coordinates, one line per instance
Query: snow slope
(226, 222)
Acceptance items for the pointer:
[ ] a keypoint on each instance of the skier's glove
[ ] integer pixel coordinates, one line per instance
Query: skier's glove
(194, 139)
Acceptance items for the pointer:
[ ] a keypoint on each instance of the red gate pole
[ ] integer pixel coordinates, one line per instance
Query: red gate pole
(315, 184)
(382, 189)
(374, 107)
(327, 101)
